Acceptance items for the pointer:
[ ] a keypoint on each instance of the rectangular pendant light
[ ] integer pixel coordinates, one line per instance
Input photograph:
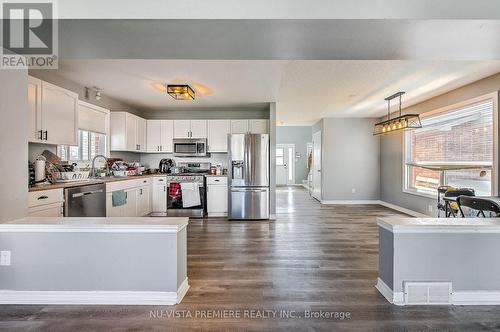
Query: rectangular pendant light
(181, 92)
(402, 122)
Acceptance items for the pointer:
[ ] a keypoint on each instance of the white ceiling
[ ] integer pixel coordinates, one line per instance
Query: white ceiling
(304, 91)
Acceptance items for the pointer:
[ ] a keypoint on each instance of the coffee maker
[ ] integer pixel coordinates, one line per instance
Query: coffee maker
(166, 165)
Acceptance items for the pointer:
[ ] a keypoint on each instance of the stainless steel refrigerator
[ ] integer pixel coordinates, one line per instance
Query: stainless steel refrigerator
(248, 176)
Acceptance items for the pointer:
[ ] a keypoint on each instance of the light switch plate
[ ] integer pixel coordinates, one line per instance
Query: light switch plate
(5, 257)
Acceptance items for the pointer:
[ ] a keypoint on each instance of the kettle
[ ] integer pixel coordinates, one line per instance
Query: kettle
(166, 165)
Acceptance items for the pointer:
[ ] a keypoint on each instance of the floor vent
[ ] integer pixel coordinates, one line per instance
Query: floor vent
(427, 292)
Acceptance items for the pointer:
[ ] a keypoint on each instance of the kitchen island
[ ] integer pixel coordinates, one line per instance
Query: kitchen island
(93, 261)
(439, 260)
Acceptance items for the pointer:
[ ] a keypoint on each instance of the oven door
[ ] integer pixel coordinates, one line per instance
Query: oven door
(174, 204)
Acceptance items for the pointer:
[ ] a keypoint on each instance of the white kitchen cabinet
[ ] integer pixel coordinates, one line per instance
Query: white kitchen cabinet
(113, 211)
(159, 135)
(143, 205)
(128, 132)
(45, 203)
(159, 196)
(217, 135)
(239, 126)
(52, 113)
(129, 209)
(182, 129)
(35, 130)
(198, 128)
(258, 126)
(217, 196)
(190, 128)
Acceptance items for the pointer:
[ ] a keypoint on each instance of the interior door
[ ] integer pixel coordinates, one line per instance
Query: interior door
(285, 164)
(316, 169)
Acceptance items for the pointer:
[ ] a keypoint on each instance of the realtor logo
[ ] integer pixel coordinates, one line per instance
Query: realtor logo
(29, 35)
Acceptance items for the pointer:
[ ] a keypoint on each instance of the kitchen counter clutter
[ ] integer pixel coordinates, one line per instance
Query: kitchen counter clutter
(439, 260)
(113, 261)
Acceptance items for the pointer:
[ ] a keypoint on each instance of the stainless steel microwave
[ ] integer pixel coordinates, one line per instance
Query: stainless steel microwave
(190, 147)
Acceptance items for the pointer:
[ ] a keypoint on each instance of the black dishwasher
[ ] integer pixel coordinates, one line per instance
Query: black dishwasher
(85, 201)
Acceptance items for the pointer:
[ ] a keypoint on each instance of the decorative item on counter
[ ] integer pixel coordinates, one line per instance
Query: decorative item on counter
(213, 170)
(40, 175)
(219, 169)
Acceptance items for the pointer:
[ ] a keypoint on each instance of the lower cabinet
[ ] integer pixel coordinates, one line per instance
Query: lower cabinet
(217, 196)
(138, 198)
(159, 206)
(46, 203)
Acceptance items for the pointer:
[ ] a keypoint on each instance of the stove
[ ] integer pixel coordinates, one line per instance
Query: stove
(195, 173)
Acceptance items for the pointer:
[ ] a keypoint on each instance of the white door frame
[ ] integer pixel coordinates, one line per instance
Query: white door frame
(316, 169)
(288, 167)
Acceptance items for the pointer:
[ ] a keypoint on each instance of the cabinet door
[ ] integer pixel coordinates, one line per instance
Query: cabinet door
(217, 135)
(113, 211)
(141, 133)
(49, 210)
(239, 126)
(160, 197)
(182, 128)
(154, 135)
(59, 115)
(118, 128)
(217, 200)
(143, 201)
(34, 109)
(258, 126)
(131, 135)
(199, 128)
(167, 135)
(131, 206)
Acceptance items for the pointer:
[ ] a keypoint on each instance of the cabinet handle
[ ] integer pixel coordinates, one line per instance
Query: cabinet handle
(41, 135)
(164, 188)
(161, 148)
(43, 197)
(141, 191)
(46, 135)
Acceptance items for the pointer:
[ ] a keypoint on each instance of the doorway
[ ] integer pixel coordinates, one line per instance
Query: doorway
(285, 164)
(316, 169)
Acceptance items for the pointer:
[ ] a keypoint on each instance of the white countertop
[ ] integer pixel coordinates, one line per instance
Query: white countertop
(78, 224)
(440, 225)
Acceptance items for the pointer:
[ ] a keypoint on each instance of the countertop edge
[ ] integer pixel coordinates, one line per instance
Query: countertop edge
(439, 228)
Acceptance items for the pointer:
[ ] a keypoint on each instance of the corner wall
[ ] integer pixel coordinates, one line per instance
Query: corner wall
(13, 147)
(391, 146)
(350, 159)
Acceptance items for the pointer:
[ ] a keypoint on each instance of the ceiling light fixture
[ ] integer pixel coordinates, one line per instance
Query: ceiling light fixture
(401, 122)
(180, 92)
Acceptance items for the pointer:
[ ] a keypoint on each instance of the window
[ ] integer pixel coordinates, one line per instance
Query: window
(454, 147)
(90, 144)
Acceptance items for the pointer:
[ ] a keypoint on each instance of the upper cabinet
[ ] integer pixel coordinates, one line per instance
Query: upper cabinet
(217, 135)
(159, 135)
(190, 128)
(257, 126)
(128, 132)
(53, 113)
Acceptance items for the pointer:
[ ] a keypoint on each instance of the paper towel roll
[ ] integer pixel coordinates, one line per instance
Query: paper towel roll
(39, 170)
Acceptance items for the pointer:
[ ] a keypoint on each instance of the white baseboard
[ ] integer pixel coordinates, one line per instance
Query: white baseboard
(404, 210)
(457, 297)
(393, 298)
(94, 297)
(350, 202)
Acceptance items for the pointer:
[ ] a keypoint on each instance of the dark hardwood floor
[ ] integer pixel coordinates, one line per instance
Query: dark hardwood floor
(312, 258)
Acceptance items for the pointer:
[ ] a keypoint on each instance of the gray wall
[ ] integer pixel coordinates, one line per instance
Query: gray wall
(391, 146)
(350, 159)
(300, 136)
(45, 261)
(209, 113)
(13, 147)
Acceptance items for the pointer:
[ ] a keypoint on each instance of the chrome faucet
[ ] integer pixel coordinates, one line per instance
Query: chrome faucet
(92, 170)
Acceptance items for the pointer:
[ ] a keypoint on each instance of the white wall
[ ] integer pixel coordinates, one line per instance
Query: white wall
(350, 159)
(13, 146)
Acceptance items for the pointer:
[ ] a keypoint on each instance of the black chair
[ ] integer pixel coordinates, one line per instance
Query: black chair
(448, 208)
(478, 204)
